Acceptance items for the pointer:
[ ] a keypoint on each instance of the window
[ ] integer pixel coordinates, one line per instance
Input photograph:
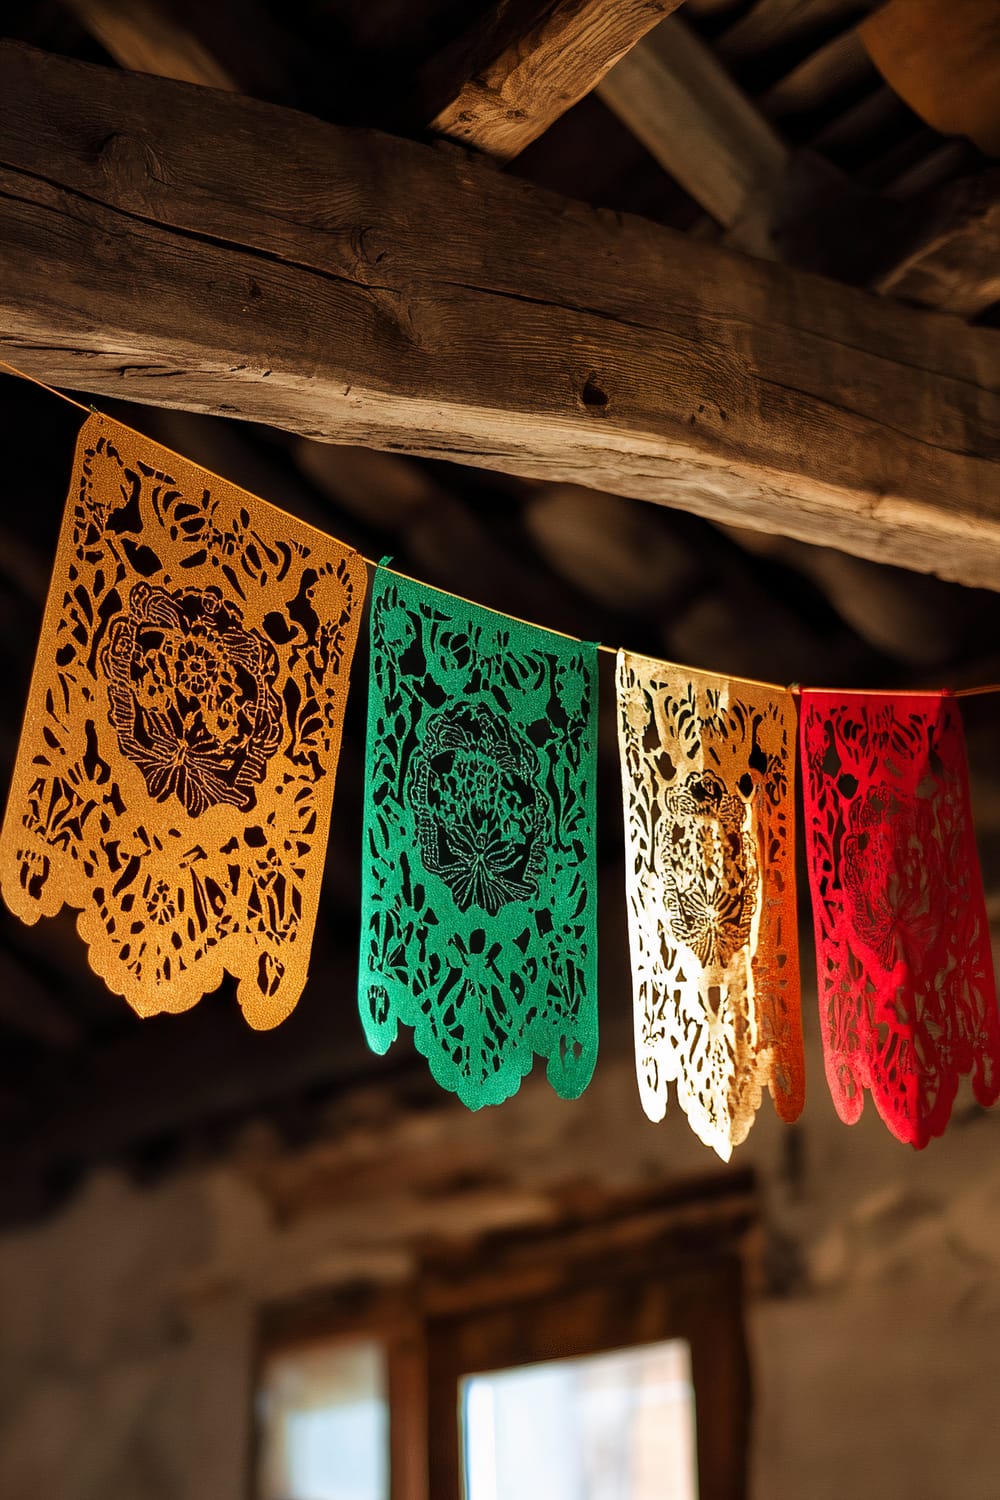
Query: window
(614, 1426)
(339, 1411)
(323, 1420)
(602, 1361)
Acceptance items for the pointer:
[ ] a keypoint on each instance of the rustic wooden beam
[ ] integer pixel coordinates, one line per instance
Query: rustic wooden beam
(499, 88)
(235, 45)
(770, 25)
(951, 261)
(590, 1237)
(190, 248)
(830, 78)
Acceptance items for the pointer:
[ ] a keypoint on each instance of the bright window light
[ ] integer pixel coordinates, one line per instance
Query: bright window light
(609, 1427)
(324, 1424)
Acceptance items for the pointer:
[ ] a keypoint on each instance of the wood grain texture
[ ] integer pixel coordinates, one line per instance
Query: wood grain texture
(824, 81)
(795, 207)
(555, 53)
(197, 249)
(788, 205)
(791, 206)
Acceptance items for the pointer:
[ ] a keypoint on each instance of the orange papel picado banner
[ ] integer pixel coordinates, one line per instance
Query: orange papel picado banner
(175, 774)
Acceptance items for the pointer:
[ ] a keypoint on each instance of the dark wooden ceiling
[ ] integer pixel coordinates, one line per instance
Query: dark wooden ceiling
(81, 1079)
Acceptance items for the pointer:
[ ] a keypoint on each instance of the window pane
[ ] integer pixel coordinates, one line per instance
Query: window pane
(324, 1424)
(610, 1427)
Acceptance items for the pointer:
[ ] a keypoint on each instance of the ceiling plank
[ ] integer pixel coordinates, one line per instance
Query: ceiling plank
(671, 91)
(830, 78)
(499, 89)
(235, 45)
(790, 206)
(197, 249)
(771, 25)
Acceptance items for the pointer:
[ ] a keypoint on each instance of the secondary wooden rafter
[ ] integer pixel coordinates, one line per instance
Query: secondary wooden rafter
(196, 249)
(144, 36)
(501, 87)
(943, 58)
(231, 44)
(495, 89)
(788, 205)
(951, 259)
(676, 96)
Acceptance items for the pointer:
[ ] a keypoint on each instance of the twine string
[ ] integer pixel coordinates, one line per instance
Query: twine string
(774, 687)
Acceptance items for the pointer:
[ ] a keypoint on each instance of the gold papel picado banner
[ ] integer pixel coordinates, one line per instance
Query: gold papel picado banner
(175, 775)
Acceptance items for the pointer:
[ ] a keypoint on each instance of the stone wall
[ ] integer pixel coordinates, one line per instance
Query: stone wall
(128, 1322)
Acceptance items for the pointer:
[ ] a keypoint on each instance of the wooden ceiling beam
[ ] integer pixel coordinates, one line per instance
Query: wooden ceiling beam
(671, 91)
(952, 260)
(235, 45)
(943, 58)
(196, 249)
(775, 25)
(501, 86)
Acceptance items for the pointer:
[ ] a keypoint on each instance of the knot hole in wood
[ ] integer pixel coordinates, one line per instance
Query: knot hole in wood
(593, 395)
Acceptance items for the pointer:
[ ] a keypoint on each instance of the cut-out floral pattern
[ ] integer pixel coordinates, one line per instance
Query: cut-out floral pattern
(710, 889)
(906, 989)
(478, 889)
(175, 775)
(191, 696)
(481, 817)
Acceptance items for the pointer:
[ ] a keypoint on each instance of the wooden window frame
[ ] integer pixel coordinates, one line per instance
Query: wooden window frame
(613, 1274)
(390, 1317)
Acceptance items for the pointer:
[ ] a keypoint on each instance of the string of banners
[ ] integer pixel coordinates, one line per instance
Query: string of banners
(174, 784)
